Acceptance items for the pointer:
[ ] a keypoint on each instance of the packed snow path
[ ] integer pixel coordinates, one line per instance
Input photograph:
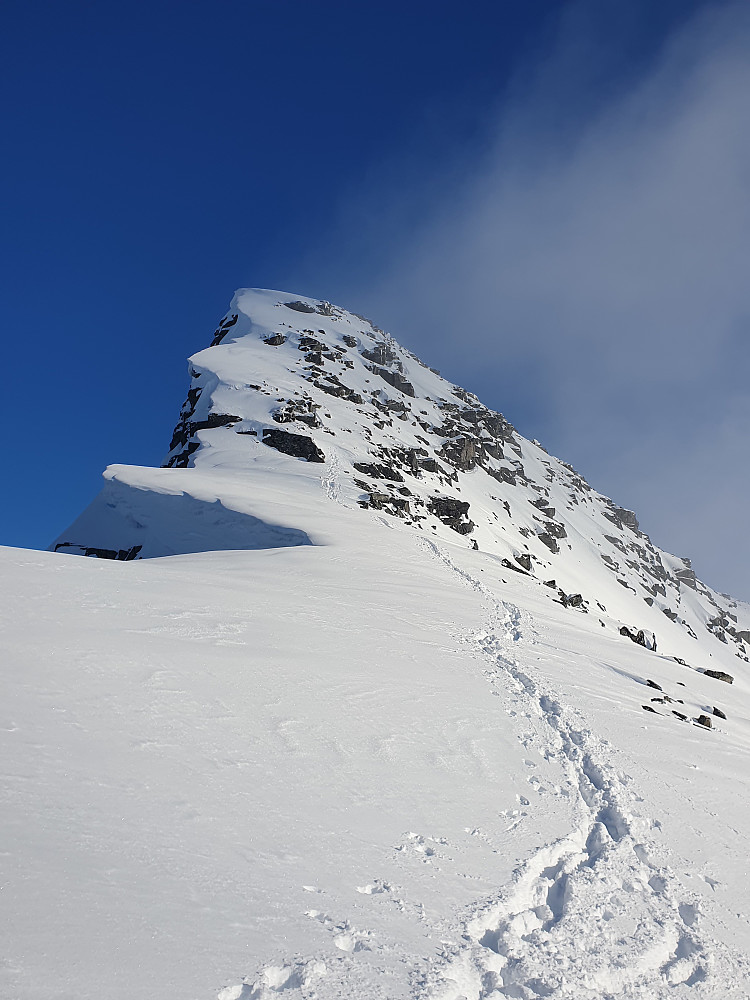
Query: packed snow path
(592, 916)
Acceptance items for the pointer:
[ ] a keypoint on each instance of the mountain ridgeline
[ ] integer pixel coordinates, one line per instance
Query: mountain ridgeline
(299, 403)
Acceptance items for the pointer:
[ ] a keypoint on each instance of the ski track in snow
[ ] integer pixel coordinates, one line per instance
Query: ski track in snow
(592, 916)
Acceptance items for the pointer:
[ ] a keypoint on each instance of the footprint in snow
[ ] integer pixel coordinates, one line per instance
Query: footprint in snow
(272, 979)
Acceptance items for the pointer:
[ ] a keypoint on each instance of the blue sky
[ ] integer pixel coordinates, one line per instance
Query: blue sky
(441, 167)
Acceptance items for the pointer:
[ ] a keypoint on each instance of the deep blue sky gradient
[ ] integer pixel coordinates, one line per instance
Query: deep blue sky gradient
(159, 155)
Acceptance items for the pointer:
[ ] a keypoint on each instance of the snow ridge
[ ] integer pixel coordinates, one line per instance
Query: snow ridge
(296, 389)
(474, 651)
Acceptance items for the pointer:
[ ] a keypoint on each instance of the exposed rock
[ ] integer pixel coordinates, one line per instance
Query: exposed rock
(719, 675)
(638, 637)
(333, 387)
(212, 421)
(181, 461)
(121, 555)
(549, 541)
(704, 720)
(653, 684)
(718, 713)
(687, 575)
(543, 505)
(381, 354)
(276, 340)
(571, 600)
(452, 513)
(302, 410)
(396, 379)
(628, 518)
(376, 471)
(310, 344)
(524, 560)
(296, 445)
(388, 503)
(517, 569)
(461, 453)
(300, 307)
(223, 330)
(503, 475)
(555, 529)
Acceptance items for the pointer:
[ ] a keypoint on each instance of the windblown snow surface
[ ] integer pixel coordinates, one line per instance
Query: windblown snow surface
(293, 734)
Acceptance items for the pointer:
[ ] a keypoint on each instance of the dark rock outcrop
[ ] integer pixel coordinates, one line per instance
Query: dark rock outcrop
(549, 541)
(296, 445)
(121, 555)
(453, 513)
(396, 379)
(300, 307)
(223, 329)
(376, 471)
(719, 675)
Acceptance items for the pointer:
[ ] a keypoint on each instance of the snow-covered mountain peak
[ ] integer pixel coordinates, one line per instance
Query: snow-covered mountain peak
(299, 404)
(445, 724)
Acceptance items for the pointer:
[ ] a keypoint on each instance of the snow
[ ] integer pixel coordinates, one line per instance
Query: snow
(320, 751)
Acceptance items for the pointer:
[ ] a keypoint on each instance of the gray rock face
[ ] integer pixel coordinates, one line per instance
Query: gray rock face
(381, 354)
(396, 379)
(719, 675)
(687, 575)
(549, 541)
(296, 445)
(376, 471)
(412, 450)
(638, 637)
(461, 453)
(628, 518)
(452, 512)
(302, 410)
(300, 307)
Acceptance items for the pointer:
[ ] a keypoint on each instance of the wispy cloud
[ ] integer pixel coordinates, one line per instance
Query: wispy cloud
(589, 275)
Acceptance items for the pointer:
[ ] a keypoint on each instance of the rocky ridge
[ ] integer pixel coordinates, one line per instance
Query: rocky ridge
(314, 384)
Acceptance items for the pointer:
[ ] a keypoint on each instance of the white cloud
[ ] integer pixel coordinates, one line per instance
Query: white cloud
(596, 273)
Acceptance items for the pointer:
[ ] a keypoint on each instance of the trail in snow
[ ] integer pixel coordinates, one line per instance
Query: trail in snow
(592, 916)
(331, 481)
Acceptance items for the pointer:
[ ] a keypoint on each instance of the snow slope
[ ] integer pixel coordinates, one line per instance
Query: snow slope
(291, 378)
(319, 745)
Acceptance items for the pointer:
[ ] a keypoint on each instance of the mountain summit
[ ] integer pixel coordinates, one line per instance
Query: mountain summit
(410, 712)
(300, 408)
